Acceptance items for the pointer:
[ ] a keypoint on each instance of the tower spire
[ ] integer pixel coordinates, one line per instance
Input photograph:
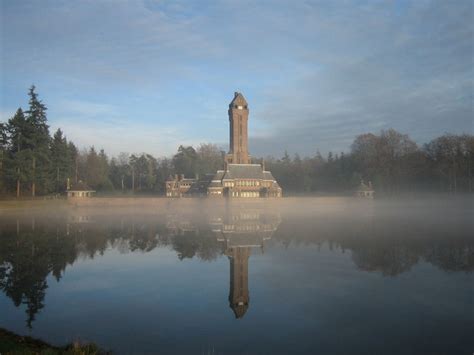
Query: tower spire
(238, 121)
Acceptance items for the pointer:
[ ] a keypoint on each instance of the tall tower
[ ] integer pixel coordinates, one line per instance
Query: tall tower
(239, 280)
(238, 119)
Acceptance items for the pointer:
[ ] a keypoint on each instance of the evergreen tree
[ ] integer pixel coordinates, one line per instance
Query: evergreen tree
(165, 170)
(73, 156)
(105, 183)
(144, 169)
(152, 166)
(3, 153)
(97, 170)
(120, 172)
(18, 167)
(185, 161)
(40, 168)
(60, 160)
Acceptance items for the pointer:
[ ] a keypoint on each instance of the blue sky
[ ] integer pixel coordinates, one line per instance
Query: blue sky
(147, 76)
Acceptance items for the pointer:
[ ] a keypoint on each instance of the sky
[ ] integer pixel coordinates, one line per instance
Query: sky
(146, 76)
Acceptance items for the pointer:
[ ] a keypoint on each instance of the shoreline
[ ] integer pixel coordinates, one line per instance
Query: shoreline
(12, 343)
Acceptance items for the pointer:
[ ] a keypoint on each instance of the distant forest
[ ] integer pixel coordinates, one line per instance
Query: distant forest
(34, 163)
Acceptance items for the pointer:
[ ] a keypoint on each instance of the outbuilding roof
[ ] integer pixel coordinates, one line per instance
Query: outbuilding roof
(80, 186)
(364, 187)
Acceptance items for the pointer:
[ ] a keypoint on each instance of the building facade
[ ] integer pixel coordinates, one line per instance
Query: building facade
(179, 186)
(240, 178)
(364, 190)
(244, 180)
(79, 190)
(238, 125)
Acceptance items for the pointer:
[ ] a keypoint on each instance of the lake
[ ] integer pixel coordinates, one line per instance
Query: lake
(293, 276)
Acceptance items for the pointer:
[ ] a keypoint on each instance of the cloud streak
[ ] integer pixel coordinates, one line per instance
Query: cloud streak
(315, 73)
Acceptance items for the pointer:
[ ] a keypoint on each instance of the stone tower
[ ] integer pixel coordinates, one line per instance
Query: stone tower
(239, 280)
(238, 120)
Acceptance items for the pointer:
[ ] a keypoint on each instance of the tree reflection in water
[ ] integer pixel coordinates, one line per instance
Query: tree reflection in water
(34, 247)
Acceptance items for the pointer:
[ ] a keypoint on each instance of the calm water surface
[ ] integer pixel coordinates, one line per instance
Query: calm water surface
(310, 276)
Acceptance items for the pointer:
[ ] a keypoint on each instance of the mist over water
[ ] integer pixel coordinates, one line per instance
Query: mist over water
(295, 275)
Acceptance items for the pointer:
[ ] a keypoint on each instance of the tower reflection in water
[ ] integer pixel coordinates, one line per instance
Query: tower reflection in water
(240, 230)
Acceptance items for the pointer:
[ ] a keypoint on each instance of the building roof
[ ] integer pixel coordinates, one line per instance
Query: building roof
(219, 175)
(238, 100)
(244, 171)
(80, 186)
(188, 180)
(245, 235)
(364, 187)
(215, 184)
(267, 175)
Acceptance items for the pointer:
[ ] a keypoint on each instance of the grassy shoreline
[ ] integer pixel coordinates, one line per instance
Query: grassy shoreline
(11, 343)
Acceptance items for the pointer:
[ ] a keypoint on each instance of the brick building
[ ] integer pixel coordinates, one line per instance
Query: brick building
(179, 186)
(240, 178)
(79, 190)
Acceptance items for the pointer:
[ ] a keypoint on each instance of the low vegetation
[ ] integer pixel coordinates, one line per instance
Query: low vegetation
(11, 343)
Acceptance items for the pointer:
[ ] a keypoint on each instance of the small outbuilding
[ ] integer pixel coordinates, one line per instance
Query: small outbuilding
(80, 189)
(365, 190)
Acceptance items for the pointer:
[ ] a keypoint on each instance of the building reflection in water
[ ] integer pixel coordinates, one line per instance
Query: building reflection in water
(76, 219)
(240, 230)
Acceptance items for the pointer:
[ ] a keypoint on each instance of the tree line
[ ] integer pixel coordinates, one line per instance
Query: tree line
(32, 162)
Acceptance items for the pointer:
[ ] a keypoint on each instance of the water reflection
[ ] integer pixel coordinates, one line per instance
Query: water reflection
(239, 231)
(36, 246)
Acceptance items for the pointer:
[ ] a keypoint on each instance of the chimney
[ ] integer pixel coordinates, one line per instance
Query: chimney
(176, 177)
(181, 176)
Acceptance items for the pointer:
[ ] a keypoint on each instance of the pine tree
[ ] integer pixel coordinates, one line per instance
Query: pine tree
(60, 160)
(36, 118)
(3, 152)
(185, 161)
(105, 183)
(19, 155)
(73, 155)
